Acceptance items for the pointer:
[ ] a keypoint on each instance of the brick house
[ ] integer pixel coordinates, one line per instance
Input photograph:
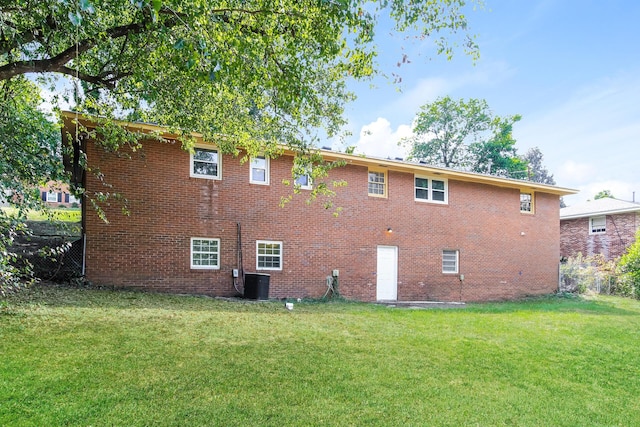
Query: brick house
(605, 226)
(406, 232)
(56, 194)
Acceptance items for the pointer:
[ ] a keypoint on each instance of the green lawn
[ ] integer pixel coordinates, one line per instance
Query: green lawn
(64, 215)
(103, 358)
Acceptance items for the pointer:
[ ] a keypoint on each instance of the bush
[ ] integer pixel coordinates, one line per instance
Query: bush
(630, 265)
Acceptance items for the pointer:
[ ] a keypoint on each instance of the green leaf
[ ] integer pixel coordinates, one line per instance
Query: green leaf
(75, 18)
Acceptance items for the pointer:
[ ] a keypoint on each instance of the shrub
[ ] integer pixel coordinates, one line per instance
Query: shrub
(630, 265)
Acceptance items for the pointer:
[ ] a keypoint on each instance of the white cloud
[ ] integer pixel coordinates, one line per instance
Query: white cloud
(619, 189)
(379, 139)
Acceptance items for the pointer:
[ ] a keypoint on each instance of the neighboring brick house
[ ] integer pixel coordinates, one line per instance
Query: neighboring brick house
(605, 226)
(56, 194)
(406, 231)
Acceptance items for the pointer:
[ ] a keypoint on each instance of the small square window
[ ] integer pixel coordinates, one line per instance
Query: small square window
(304, 182)
(377, 183)
(259, 170)
(526, 202)
(450, 261)
(268, 255)
(205, 253)
(205, 163)
(598, 225)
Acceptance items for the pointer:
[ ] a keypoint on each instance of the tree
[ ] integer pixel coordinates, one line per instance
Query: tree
(256, 71)
(29, 157)
(536, 171)
(498, 155)
(466, 135)
(443, 129)
(604, 194)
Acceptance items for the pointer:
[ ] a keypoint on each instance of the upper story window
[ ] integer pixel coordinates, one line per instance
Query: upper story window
(268, 255)
(259, 170)
(205, 163)
(598, 225)
(450, 261)
(429, 189)
(377, 183)
(526, 202)
(205, 253)
(304, 181)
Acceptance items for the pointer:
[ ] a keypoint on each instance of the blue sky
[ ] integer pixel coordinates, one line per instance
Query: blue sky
(571, 68)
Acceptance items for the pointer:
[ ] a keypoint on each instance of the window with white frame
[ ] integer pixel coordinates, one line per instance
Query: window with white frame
(205, 253)
(205, 163)
(304, 181)
(526, 202)
(268, 255)
(52, 197)
(598, 225)
(259, 170)
(450, 260)
(434, 190)
(377, 183)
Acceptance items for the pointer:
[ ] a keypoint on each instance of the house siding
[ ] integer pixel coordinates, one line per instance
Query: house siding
(620, 234)
(504, 253)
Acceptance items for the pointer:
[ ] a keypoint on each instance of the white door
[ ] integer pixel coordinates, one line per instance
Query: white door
(387, 273)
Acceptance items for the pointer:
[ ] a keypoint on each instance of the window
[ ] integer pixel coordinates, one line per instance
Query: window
(259, 170)
(52, 197)
(205, 163)
(431, 190)
(526, 202)
(377, 183)
(450, 261)
(205, 253)
(268, 255)
(598, 225)
(304, 181)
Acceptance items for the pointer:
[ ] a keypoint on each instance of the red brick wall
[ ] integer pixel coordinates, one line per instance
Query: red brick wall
(620, 234)
(503, 253)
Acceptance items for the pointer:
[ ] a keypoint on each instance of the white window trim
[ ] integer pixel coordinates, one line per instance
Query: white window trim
(532, 202)
(266, 171)
(52, 197)
(430, 189)
(270, 242)
(309, 186)
(591, 227)
(385, 184)
(204, 267)
(457, 253)
(193, 174)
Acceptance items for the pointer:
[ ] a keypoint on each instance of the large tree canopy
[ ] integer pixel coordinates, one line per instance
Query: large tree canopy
(465, 135)
(248, 69)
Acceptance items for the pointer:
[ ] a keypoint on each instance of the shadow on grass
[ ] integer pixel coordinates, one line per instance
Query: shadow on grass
(63, 296)
(59, 296)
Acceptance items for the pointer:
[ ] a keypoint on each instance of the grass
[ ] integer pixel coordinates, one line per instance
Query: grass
(63, 215)
(103, 358)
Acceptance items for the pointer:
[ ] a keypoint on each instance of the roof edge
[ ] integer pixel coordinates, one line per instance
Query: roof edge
(362, 160)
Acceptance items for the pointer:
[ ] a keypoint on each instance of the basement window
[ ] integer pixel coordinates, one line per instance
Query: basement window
(268, 255)
(205, 253)
(450, 260)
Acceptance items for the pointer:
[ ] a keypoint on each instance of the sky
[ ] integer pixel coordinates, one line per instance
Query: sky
(571, 68)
